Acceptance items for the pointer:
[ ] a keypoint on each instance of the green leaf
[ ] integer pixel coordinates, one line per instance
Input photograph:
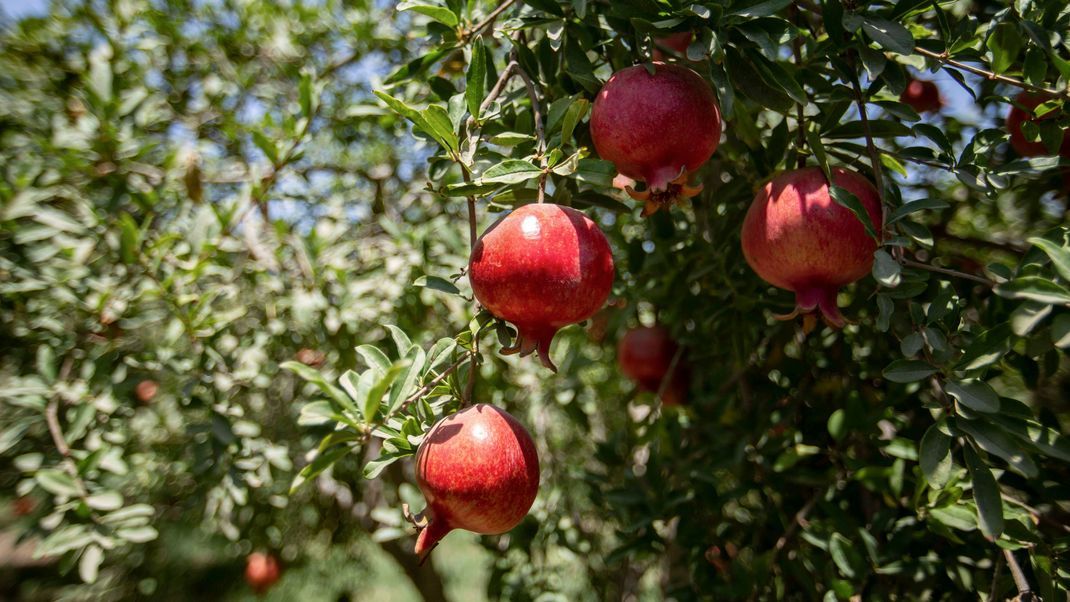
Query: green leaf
(510, 171)
(105, 501)
(374, 467)
(996, 442)
(476, 79)
(401, 340)
(908, 371)
(1045, 440)
(846, 557)
(57, 482)
(879, 128)
(985, 494)
(406, 384)
(320, 463)
(1034, 288)
(1005, 44)
(1060, 331)
(129, 239)
(434, 123)
(305, 94)
(63, 540)
(762, 8)
(889, 35)
(89, 564)
(374, 358)
(572, 117)
(886, 270)
(438, 13)
(956, 517)
(376, 392)
(935, 456)
(142, 534)
(845, 198)
(974, 394)
(915, 206)
(1059, 255)
(316, 413)
(986, 349)
(314, 376)
(266, 146)
(437, 283)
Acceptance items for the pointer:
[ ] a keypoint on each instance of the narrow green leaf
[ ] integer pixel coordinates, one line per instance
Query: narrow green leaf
(985, 494)
(475, 87)
(845, 198)
(437, 283)
(1059, 255)
(424, 7)
(57, 482)
(573, 115)
(935, 456)
(510, 171)
(996, 442)
(374, 358)
(105, 501)
(974, 394)
(89, 564)
(908, 371)
(889, 35)
(266, 146)
(401, 340)
(1034, 288)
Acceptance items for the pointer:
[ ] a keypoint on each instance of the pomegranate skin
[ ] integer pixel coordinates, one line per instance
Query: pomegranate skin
(261, 571)
(923, 96)
(645, 356)
(677, 42)
(541, 267)
(1017, 116)
(797, 238)
(657, 129)
(479, 471)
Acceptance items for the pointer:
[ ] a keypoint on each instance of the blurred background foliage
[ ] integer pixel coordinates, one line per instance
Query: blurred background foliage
(215, 240)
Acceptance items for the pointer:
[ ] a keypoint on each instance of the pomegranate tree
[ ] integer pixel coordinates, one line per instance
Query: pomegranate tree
(261, 571)
(656, 128)
(478, 471)
(922, 96)
(646, 354)
(541, 267)
(1021, 112)
(796, 237)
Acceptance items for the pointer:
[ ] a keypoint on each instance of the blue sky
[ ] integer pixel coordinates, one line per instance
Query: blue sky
(23, 8)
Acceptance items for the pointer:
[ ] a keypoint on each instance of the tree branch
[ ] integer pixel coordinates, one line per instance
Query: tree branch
(479, 27)
(1025, 592)
(540, 134)
(946, 271)
(946, 59)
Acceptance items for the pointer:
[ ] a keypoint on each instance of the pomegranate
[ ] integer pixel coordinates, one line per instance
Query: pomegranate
(541, 267)
(797, 238)
(922, 96)
(146, 390)
(676, 42)
(657, 129)
(478, 471)
(646, 354)
(311, 357)
(1018, 115)
(261, 571)
(24, 506)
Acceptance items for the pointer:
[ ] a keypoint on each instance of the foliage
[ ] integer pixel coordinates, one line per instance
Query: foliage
(266, 209)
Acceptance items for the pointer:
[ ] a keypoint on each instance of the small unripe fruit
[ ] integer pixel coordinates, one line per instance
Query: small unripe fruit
(261, 571)
(146, 390)
(479, 471)
(656, 128)
(923, 96)
(796, 237)
(542, 267)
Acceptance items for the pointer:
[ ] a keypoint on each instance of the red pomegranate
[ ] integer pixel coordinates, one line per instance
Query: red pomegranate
(478, 471)
(541, 267)
(797, 238)
(146, 390)
(1018, 115)
(646, 354)
(261, 571)
(657, 129)
(922, 96)
(677, 42)
(24, 506)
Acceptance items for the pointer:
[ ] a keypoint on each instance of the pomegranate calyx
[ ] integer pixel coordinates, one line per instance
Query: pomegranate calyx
(530, 339)
(655, 197)
(822, 299)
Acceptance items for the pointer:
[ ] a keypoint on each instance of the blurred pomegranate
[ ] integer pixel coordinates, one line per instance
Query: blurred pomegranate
(261, 571)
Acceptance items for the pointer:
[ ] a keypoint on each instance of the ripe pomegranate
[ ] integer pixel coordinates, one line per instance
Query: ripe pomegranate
(646, 354)
(261, 571)
(541, 267)
(146, 390)
(1018, 115)
(478, 471)
(922, 96)
(657, 129)
(677, 42)
(797, 238)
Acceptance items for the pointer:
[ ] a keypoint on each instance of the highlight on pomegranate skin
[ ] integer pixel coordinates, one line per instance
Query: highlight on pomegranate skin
(657, 128)
(1019, 115)
(922, 95)
(479, 471)
(796, 237)
(645, 355)
(541, 267)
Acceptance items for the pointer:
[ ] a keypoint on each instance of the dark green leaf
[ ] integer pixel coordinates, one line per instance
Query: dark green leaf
(986, 495)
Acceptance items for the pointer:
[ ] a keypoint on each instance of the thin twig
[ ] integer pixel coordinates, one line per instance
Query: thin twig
(946, 271)
(798, 521)
(540, 134)
(1025, 592)
(479, 27)
(946, 59)
(424, 390)
(874, 154)
(800, 126)
(994, 590)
